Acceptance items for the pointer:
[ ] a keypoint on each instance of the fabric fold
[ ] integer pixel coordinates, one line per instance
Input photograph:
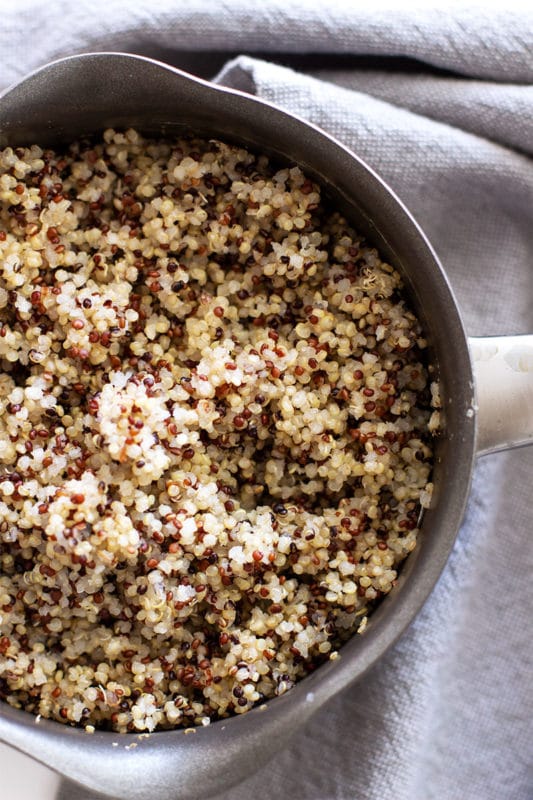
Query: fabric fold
(488, 41)
(473, 197)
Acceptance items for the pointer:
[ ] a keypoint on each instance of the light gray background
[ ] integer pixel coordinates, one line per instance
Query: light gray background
(448, 714)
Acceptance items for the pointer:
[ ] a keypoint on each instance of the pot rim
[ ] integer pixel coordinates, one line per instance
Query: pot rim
(385, 624)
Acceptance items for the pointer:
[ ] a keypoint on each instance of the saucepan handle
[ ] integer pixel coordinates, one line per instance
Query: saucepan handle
(503, 369)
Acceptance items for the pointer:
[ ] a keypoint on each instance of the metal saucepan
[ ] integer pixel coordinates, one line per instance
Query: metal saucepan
(487, 386)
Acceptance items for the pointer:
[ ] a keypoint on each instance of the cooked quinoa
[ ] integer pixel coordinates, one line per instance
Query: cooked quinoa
(216, 424)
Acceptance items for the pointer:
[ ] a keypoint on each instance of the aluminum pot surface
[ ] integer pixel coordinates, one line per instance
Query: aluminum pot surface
(487, 407)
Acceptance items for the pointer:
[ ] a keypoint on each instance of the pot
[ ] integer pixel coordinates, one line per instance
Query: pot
(487, 387)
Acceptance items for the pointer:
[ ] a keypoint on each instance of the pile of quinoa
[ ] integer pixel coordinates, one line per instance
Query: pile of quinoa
(216, 425)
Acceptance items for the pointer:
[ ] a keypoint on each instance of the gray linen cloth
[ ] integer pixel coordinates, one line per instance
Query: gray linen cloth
(448, 713)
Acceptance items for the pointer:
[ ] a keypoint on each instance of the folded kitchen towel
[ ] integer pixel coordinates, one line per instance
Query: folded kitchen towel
(448, 713)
